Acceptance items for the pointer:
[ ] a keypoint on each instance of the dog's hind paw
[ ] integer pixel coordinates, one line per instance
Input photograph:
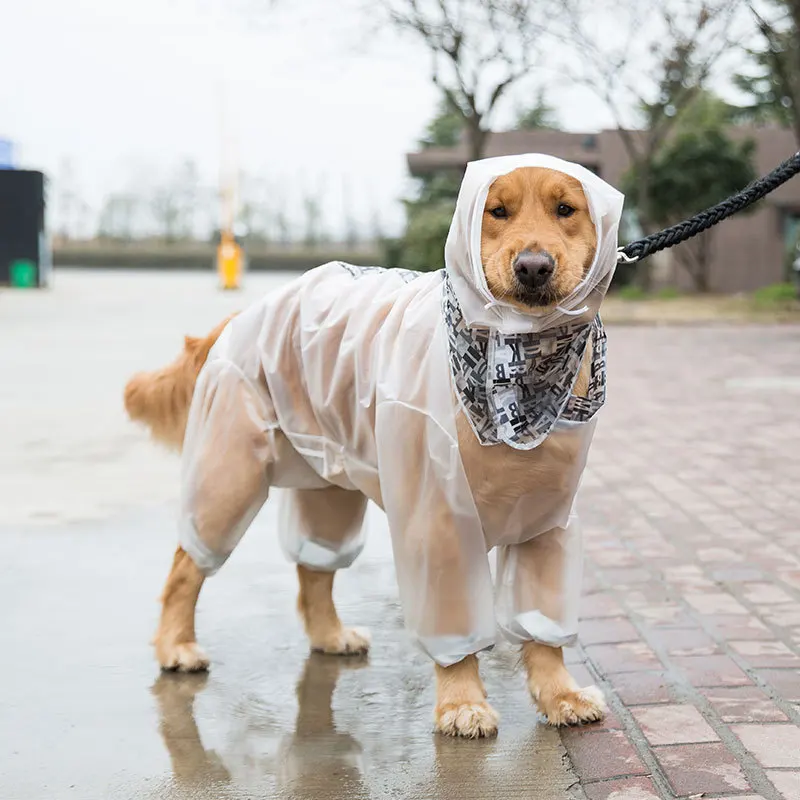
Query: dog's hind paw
(469, 720)
(574, 707)
(345, 642)
(185, 657)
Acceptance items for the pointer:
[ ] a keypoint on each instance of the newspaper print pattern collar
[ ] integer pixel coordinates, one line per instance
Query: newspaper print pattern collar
(515, 388)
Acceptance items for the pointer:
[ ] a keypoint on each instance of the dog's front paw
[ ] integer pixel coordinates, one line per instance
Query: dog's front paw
(185, 657)
(470, 720)
(344, 642)
(573, 707)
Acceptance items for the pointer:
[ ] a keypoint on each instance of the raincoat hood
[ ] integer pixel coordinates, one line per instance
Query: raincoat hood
(463, 248)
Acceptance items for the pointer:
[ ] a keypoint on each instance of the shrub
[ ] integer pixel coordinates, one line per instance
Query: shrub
(775, 295)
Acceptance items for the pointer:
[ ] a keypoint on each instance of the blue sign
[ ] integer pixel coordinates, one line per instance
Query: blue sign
(6, 154)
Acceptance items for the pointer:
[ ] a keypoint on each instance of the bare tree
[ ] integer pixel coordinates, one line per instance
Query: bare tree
(174, 203)
(479, 49)
(256, 201)
(312, 208)
(166, 208)
(776, 89)
(117, 217)
(650, 67)
(68, 201)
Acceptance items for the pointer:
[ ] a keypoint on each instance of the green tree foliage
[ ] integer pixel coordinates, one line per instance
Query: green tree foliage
(700, 165)
(773, 82)
(445, 129)
(697, 169)
(428, 215)
(539, 116)
(428, 219)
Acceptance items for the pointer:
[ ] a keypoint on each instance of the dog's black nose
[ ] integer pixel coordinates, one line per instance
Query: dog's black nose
(533, 270)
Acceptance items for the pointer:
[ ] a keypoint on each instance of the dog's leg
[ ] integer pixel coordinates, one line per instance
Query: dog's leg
(547, 579)
(555, 691)
(323, 626)
(461, 707)
(175, 641)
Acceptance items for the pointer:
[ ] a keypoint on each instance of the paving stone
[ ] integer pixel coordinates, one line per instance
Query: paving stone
(625, 657)
(711, 671)
(627, 789)
(774, 745)
(672, 724)
(743, 704)
(792, 577)
(702, 768)
(722, 555)
(737, 574)
(785, 682)
(611, 630)
(684, 641)
(783, 616)
(615, 557)
(765, 594)
(742, 797)
(766, 654)
(641, 688)
(599, 605)
(715, 603)
(787, 783)
(604, 755)
(729, 627)
(620, 577)
(663, 615)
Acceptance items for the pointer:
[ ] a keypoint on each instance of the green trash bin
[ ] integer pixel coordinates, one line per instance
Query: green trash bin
(23, 274)
(24, 248)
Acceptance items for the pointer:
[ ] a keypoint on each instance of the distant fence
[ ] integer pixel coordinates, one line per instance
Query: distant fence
(202, 256)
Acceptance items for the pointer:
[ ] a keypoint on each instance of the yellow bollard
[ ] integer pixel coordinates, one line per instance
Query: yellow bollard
(229, 262)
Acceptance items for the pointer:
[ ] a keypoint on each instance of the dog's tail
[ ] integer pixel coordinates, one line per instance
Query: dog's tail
(161, 399)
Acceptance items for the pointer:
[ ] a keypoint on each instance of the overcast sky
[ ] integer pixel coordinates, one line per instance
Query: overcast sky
(124, 91)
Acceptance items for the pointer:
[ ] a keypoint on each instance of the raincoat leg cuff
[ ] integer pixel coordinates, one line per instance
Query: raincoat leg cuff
(449, 650)
(321, 556)
(206, 561)
(533, 626)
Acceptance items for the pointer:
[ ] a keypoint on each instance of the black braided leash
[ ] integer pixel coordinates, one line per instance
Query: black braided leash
(669, 237)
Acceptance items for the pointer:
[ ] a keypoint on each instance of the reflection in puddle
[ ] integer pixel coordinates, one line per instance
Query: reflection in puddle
(378, 743)
(314, 760)
(192, 764)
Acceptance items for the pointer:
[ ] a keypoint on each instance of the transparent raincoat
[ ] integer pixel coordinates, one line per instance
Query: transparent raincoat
(347, 384)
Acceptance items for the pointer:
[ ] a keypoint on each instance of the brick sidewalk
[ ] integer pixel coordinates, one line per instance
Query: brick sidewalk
(692, 596)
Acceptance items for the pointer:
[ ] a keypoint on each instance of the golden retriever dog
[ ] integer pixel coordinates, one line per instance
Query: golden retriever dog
(537, 243)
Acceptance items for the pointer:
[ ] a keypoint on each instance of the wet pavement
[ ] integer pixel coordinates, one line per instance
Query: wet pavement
(691, 607)
(85, 713)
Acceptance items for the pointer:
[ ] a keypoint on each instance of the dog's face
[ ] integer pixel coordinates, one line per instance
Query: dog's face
(537, 238)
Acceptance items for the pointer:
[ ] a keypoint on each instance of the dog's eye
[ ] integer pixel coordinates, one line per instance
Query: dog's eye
(499, 212)
(564, 210)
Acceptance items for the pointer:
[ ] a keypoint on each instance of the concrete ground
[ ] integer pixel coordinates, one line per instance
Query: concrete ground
(692, 592)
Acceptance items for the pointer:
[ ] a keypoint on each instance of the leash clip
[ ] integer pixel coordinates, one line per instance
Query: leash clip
(624, 258)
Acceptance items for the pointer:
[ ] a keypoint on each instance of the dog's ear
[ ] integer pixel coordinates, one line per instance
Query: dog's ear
(191, 343)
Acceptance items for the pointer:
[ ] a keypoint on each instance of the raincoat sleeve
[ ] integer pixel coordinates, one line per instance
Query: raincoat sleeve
(225, 463)
(539, 587)
(439, 548)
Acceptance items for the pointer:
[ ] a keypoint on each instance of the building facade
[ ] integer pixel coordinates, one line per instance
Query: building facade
(748, 251)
